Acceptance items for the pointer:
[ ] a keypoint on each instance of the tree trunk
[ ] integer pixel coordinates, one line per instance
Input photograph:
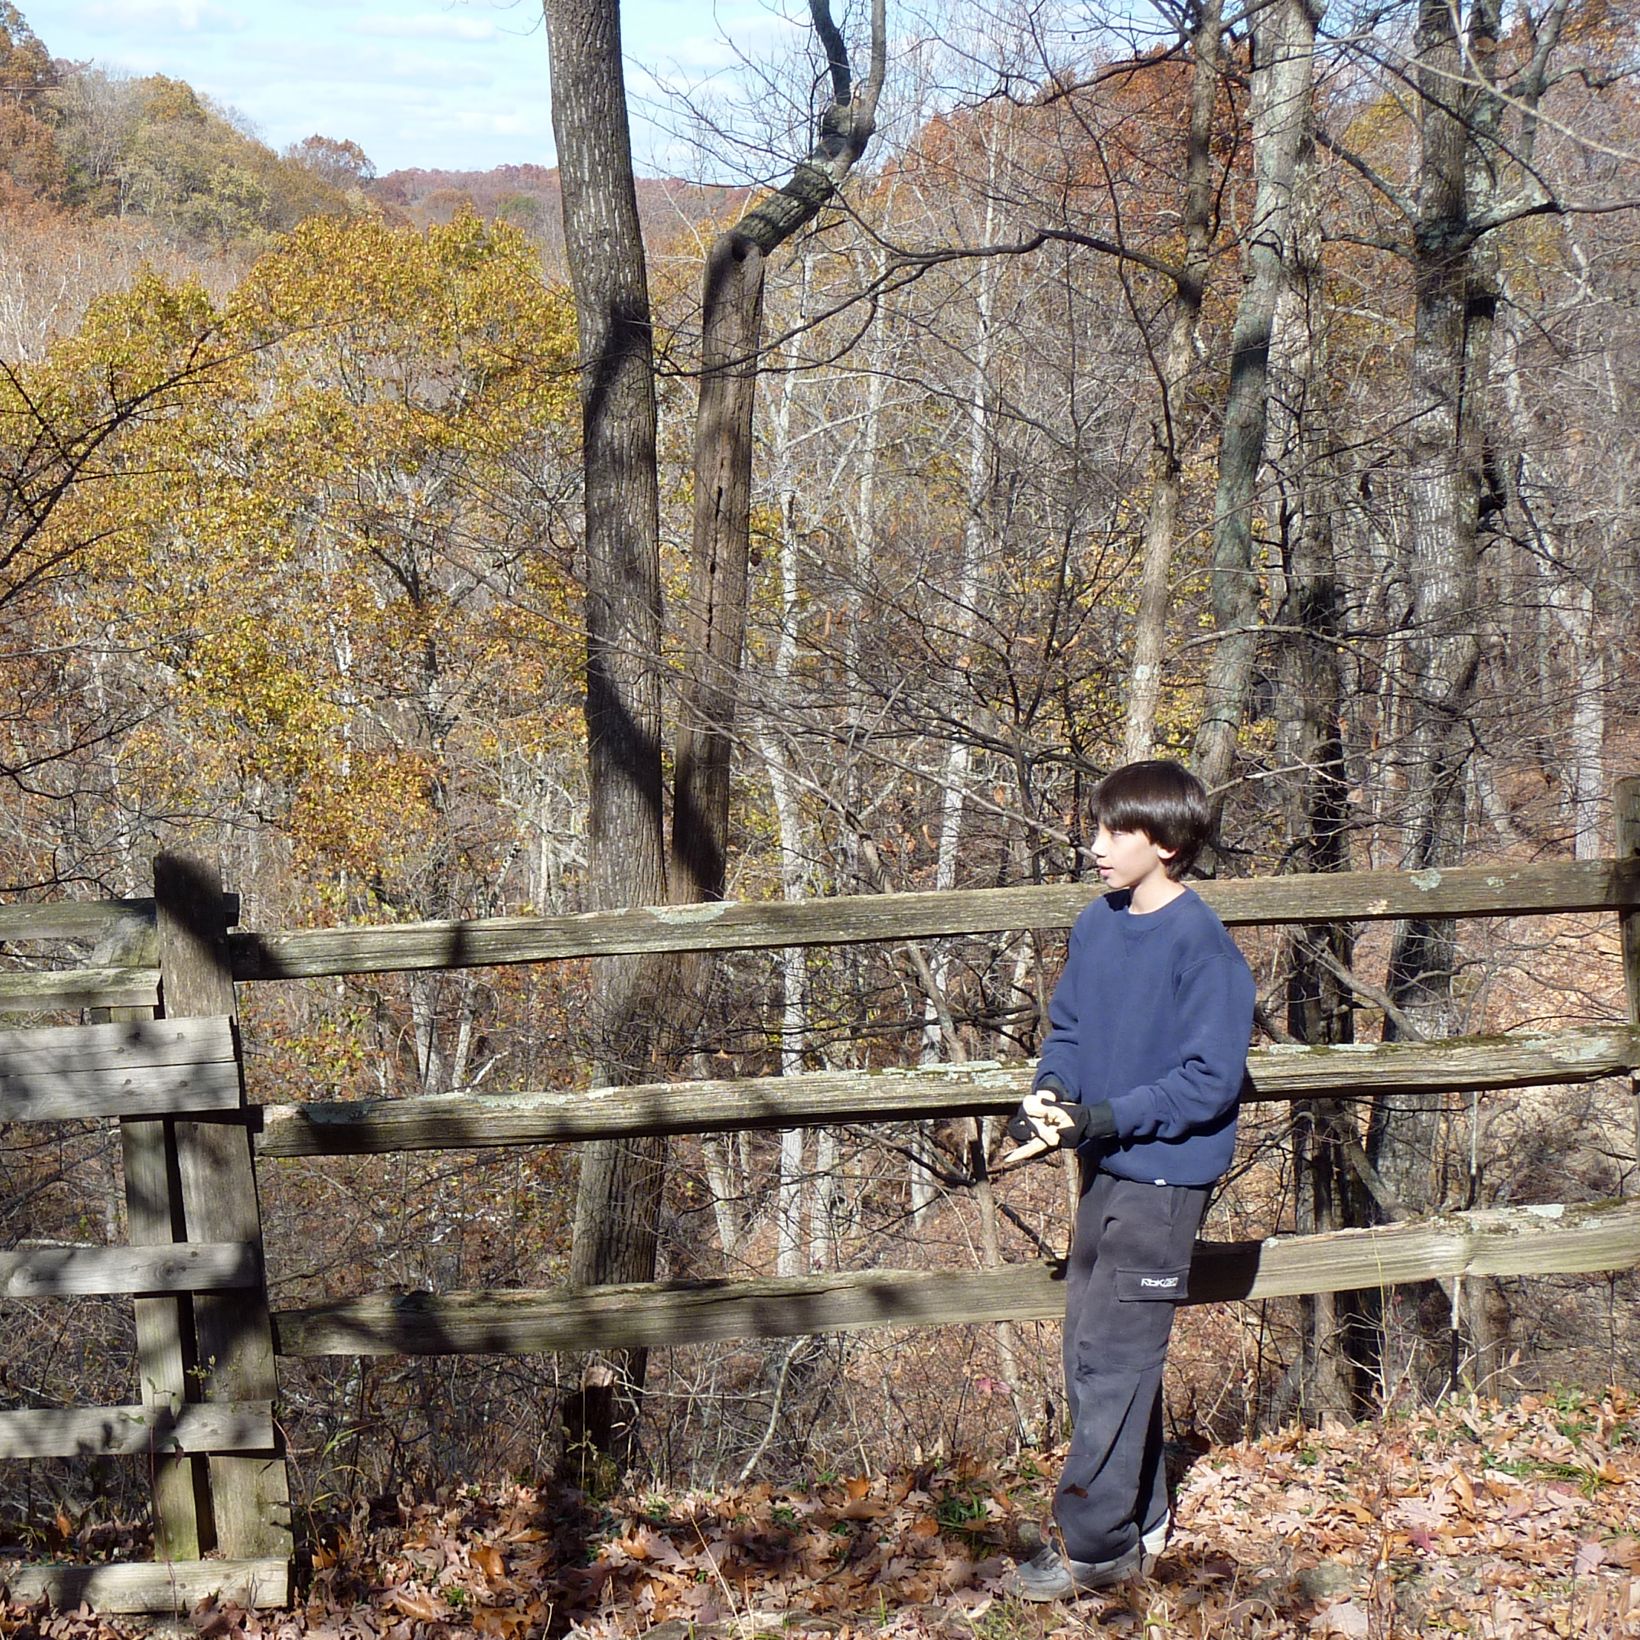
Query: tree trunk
(1178, 354)
(618, 1197)
(1337, 1363)
(732, 323)
(1565, 598)
(1442, 648)
(790, 1250)
(980, 471)
(714, 619)
(1283, 74)
(1455, 282)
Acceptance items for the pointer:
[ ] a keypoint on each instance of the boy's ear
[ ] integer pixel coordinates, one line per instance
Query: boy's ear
(1167, 854)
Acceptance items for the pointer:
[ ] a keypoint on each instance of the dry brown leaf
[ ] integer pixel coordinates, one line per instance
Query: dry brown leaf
(424, 1607)
(1345, 1618)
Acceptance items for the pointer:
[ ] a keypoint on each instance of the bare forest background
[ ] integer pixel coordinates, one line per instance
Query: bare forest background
(1255, 387)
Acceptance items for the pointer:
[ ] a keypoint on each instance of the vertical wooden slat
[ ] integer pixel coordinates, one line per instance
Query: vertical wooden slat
(250, 1496)
(1626, 802)
(164, 1326)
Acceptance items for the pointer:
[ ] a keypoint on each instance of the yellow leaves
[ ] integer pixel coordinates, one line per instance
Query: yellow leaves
(321, 537)
(241, 665)
(138, 339)
(366, 812)
(1382, 130)
(446, 322)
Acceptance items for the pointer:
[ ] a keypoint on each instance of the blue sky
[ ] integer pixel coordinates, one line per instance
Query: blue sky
(449, 84)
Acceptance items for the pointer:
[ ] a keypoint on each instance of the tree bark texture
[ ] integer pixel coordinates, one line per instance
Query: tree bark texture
(714, 623)
(1340, 1328)
(619, 1193)
(1455, 297)
(714, 619)
(1178, 354)
(1455, 282)
(1283, 76)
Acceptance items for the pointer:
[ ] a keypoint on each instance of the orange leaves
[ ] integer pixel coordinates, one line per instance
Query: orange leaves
(503, 1622)
(1435, 1513)
(422, 1607)
(489, 1560)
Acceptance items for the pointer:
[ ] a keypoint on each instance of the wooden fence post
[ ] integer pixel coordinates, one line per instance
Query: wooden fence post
(164, 1326)
(250, 1495)
(1626, 802)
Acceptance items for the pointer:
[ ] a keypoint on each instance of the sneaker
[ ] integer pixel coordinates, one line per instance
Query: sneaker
(1153, 1542)
(1049, 1575)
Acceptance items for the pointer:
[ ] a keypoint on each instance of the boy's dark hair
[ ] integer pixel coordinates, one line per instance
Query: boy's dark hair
(1162, 799)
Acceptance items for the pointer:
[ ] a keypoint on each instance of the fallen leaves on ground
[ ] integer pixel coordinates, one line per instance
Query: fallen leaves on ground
(1499, 1522)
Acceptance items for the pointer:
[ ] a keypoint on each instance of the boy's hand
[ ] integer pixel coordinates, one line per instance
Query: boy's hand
(1040, 1126)
(1049, 1118)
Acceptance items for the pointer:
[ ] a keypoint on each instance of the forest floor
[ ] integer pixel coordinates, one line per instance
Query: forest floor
(1471, 1519)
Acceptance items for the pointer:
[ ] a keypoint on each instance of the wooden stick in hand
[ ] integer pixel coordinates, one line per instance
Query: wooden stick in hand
(1020, 1154)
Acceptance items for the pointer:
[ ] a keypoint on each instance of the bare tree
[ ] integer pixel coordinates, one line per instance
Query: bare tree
(618, 1203)
(1173, 368)
(1283, 47)
(619, 1189)
(714, 624)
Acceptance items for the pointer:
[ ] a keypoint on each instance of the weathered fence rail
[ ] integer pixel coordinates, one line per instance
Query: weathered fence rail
(475, 1121)
(136, 1431)
(77, 1272)
(1470, 891)
(1513, 1241)
(162, 1586)
(1361, 896)
(167, 1067)
(194, 1266)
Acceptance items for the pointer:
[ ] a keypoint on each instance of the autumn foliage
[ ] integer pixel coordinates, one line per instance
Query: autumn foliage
(1482, 1520)
(291, 574)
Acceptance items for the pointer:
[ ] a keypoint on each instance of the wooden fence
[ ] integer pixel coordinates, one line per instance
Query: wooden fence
(167, 1067)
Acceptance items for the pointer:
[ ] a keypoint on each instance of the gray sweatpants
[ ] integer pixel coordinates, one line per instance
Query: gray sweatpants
(1129, 1267)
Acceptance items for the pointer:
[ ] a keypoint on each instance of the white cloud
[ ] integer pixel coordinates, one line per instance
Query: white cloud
(143, 17)
(457, 84)
(409, 67)
(741, 32)
(429, 26)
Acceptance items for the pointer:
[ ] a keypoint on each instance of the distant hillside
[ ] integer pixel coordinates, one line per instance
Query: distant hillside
(153, 150)
(528, 195)
(110, 147)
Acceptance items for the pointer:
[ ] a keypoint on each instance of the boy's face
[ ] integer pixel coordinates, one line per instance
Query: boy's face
(1128, 859)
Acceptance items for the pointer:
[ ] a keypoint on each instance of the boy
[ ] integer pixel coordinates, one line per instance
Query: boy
(1141, 1073)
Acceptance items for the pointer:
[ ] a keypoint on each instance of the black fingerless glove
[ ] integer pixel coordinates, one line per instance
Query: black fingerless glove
(1096, 1121)
(1021, 1129)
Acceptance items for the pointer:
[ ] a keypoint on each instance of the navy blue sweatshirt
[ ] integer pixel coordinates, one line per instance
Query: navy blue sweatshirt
(1154, 1013)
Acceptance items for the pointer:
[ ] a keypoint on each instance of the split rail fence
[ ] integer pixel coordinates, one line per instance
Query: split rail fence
(164, 1060)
